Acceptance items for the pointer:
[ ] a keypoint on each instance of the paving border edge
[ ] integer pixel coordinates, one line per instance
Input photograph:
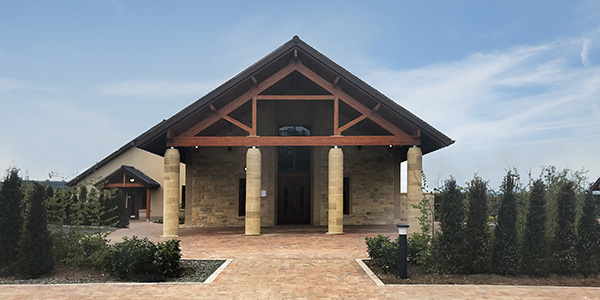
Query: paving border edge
(216, 273)
(370, 273)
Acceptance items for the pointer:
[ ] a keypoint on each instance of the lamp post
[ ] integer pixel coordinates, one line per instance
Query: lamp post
(401, 259)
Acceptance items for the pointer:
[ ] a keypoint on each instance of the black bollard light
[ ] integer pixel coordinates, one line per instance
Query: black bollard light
(401, 259)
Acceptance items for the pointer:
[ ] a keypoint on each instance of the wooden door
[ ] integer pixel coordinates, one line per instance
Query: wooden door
(293, 205)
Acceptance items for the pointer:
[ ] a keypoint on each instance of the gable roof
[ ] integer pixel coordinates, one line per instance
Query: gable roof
(154, 140)
(596, 185)
(137, 174)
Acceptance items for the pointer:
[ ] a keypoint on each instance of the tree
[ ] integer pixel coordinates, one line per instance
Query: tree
(535, 247)
(450, 249)
(11, 219)
(504, 254)
(589, 235)
(35, 247)
(565, 237)
(476, 230)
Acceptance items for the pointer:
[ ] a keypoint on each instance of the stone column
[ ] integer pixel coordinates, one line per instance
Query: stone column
(171, 194)
(414, 182)
(336, 191)
(253, 173)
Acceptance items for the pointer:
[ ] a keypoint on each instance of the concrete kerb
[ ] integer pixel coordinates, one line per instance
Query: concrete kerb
(214, 275)
(367, 270)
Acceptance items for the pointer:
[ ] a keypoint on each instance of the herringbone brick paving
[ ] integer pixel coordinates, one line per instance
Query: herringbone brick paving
(284, 263)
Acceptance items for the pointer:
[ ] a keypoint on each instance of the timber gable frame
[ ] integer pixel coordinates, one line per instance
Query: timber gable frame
(188, 127)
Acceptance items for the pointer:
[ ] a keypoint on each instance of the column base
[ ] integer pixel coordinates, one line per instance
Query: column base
(335, 233)
(169, 236)
(252, 234)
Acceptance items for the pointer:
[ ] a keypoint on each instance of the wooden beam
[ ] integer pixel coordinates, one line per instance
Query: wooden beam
(147, 203)
(376, 108)
(295, 52)
(370, 140)
(387, 125)
(254, 81)
(238, 124)
(336, 116)
(254, 116)
(124, 185)
(336, 80)
(295, 97)
(239, 101)
(352, 123)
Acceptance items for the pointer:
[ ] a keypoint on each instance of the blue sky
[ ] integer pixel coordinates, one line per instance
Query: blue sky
(515, 83)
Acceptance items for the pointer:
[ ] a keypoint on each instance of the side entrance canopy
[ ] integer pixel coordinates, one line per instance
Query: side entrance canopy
(269, 105)
(136, 185)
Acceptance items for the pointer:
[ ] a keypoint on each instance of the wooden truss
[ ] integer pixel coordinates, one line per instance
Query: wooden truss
(189, 138)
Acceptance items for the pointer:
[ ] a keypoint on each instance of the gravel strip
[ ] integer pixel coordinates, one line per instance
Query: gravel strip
(192, 270)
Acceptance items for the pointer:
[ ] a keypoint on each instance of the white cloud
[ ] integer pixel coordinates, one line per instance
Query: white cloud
(7, 84)
(523, 107)
(158, 88)
(585, 51)
(10, 84)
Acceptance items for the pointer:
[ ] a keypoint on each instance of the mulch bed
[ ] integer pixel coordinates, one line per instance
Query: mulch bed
(417, 275)
(190, 271)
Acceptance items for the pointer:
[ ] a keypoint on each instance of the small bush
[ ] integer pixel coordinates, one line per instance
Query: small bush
(383, 252)
(78, 249)
(167, 257)
(133, 256)
(420, 251)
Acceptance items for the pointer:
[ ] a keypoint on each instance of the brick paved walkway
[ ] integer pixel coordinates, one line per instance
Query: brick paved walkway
(285, 262)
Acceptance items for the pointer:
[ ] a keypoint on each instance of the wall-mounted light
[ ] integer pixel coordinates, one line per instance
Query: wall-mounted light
(131, 179)
(196, 147)
(245, 169)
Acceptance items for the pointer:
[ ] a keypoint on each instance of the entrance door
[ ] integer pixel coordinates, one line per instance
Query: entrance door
(293, 200)
(135, 202)
(293, 181)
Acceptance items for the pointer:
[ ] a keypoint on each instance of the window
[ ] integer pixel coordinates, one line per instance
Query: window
(242, 197)
(346, 195)
(182, 197)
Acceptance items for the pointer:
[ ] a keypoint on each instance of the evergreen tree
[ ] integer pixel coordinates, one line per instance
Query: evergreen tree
(121, 211)
(476, 230)
(535, 246)
(565, 237)
(450, 250)
(11, 218)
(35, 247)
(504, 254)
(49, 191)
(589, 235)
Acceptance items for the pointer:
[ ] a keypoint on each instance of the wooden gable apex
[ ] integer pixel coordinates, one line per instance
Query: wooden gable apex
(262, 81)
(192, 135)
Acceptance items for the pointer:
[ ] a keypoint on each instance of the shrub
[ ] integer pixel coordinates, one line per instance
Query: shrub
(133, 256)
(383, 252)
(420, 251)
(565, 237)
(589, 236)
(35, 246)
(504, 255)
(535, 247)
(167, 257)
(476, 230)
(450, 249)
(11, 220)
